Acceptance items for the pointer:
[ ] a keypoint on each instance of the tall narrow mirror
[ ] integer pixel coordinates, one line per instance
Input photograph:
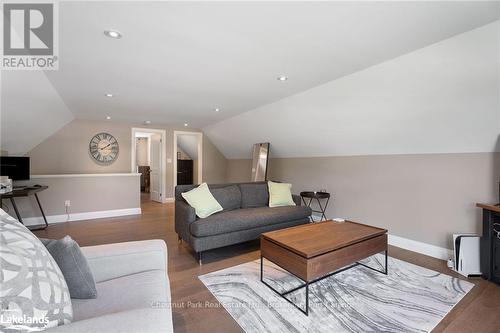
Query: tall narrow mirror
(259, 163)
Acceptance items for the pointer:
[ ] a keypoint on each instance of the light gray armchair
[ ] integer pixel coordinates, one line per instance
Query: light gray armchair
(133, 290)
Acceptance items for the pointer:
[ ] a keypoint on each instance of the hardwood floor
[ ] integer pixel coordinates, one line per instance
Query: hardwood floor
(479, 311)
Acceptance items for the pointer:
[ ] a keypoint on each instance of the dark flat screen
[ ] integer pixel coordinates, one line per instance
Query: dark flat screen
(16, 168)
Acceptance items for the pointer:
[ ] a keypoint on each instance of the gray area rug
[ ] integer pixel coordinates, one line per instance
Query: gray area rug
(410, 299)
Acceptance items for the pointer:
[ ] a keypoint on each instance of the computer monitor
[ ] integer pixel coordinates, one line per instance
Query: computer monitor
(15, 167)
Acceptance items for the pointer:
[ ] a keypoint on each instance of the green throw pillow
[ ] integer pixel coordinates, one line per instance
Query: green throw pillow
(202, 201)
(280, 194)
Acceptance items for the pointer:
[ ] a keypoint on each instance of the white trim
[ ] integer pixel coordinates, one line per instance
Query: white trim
(200, 154)
(169, 200)
(420, 247)
(413, 245)
(81, 175)
(163, 160)
(82, 216)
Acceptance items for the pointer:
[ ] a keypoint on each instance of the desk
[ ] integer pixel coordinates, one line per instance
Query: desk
(26, 192)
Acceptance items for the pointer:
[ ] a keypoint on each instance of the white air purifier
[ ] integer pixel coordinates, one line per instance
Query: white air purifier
(466, 254)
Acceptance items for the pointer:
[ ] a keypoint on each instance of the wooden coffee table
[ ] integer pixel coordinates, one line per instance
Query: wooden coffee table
(316, 251)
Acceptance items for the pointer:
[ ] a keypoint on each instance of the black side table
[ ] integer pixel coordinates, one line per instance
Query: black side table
(318, 196)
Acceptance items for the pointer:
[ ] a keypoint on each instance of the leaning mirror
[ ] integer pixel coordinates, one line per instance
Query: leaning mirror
(260, 161)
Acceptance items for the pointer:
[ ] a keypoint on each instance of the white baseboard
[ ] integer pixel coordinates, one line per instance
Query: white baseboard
(168, 200)
(420, 247)
(82, 216)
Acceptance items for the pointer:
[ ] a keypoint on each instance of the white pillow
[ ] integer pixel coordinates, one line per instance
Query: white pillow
(280, 194)
(202, 201)
(33, 291)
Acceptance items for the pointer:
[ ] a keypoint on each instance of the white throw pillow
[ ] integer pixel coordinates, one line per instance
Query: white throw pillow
(202, 201)
(280, 194)
(34, 295)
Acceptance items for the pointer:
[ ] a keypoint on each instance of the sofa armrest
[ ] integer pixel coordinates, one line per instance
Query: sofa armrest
(137, 321)
(297, 199)
(184, 216)
(110, 261)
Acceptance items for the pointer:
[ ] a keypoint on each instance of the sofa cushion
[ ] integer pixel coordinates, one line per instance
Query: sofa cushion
(228, 197)
(74, 266)
(34, 294)
(246, 218)
(202, 200)
(280, 194)
(135, 291)
(254, 195)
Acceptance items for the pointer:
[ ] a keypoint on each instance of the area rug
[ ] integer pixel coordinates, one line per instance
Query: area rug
(409, 299)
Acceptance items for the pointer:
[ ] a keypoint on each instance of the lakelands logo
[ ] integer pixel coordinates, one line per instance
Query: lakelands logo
(14, 321)
(30, 39)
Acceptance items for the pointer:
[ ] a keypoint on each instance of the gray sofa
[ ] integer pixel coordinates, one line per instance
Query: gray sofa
(133, 291)
(245, 217)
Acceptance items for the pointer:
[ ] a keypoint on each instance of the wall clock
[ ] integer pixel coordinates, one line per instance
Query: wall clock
(104, 148)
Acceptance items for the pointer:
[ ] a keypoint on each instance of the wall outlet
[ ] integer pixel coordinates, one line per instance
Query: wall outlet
(67, 203)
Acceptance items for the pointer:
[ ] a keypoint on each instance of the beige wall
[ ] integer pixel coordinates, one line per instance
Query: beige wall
(214, 163)
(421, 197)
(67, 152)
(87, 194)
(239, 171)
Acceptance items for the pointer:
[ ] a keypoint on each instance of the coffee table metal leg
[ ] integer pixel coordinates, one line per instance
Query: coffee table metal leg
(261, 269)
(386, 266)
(385, 271)
(307, 283)
(306, 311)
(307, 298)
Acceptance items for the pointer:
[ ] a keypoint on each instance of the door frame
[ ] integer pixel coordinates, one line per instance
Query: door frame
(200, 154)
(163, 159)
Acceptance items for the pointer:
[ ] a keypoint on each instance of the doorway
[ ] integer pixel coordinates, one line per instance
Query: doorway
(188, 153)
(149, 159)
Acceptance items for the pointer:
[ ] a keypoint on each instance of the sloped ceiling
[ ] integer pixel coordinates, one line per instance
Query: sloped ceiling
(444, 98)
(189, 144)
(31, 110)
(177, 61)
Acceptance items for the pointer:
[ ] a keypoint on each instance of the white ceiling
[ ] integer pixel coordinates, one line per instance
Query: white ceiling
(189, 144)
(179, 60)
(444, 98)
(30, 110)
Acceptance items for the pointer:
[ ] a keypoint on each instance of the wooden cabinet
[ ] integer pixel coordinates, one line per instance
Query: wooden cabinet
(496, 259)
(184, 172)
(490, 243)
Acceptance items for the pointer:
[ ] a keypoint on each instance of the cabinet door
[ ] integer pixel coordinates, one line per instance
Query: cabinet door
(496, 259)
(184, 172)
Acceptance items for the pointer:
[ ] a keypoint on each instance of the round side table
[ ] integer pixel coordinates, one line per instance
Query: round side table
(318, 196)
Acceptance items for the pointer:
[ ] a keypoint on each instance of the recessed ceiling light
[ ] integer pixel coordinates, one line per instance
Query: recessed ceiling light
(113, 34)
(147, 122)
(108, 95)
(282, 78)
(217, 109)
(108, 117)
(186, 124)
